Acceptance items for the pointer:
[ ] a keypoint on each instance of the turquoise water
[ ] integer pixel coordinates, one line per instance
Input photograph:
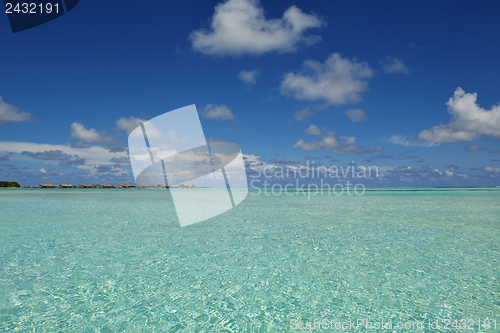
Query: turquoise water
(118, 261)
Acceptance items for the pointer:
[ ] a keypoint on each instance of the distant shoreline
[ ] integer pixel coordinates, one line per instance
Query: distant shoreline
(103, 186)
(291, 188)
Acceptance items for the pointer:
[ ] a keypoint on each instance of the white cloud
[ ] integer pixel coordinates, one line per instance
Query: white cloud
(217, 112)
(249, 76)
(129, 124)
(356, 115)
(313, 130)
(303, 115)
(399, 139)
(90, 135)
(337, 81)
(10, 113)
(329, 140)
(392, 65)
(240, 27)
(468, 120)
(491, 169)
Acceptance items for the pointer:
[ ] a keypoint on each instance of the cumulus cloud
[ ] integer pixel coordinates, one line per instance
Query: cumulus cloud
(79, 132)
(128, 124)
(217, 112)
(468, 120)
(326, 139)
(313, 130)
(337, 81)
(356, 115)
(239, 27)
(249, 76)
(303, 115)
(473, 148)
(10, 113)
(392, 65)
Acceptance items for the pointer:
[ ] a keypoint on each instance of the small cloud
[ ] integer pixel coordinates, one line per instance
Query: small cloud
(393, 65)
(496, 151)
(10, 113)
(473, 148)
(4, 158)
(239, 27)
(491, 169)
(414, 45)
(249, 76)
(129, 124)
(79, 132)
(356, 115)
(326, 139)
(313, 130)
(337, 81)
(42, 170)
(217, 112)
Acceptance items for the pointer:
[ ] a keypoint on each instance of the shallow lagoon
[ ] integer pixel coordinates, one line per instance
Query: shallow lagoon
(95, 260)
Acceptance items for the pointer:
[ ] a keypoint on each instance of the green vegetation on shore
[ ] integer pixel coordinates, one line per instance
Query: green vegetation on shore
(9, 184)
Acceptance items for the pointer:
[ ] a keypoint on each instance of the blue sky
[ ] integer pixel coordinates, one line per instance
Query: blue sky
(410, 87)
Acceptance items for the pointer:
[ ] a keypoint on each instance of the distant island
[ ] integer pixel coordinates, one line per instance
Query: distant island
(141, 186)
(4, 184)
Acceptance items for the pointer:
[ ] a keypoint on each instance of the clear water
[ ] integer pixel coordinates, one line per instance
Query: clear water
(118, 261)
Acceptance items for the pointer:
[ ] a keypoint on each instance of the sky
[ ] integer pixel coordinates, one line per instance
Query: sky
(411, 87)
